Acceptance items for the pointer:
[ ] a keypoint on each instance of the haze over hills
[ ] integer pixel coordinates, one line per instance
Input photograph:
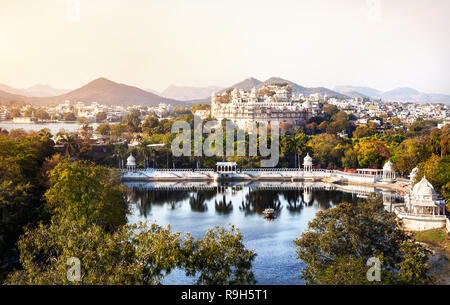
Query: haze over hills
(362, 91)
(404, 94)
(34, 91)
(296, 88)
(251, 82)
(102, 91)
(247, 84)
(107, 92)
(189, 93)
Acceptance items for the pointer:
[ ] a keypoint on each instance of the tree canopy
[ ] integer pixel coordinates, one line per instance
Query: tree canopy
(340, 241)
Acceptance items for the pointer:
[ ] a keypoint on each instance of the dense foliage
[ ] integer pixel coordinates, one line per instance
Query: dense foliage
(55, 209)
(340, 241)
(64, 201)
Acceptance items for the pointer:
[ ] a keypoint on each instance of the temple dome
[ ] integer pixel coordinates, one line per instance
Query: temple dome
(423, 188)
(131, 161)
(388, 166)
(307, 159)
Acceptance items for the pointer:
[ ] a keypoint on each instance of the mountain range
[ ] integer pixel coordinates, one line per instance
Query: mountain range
(34, 91)
(105, 91)
(403, 94)
(102, 91)
(189, 93)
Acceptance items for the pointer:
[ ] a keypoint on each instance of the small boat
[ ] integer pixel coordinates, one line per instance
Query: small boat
(269, 213)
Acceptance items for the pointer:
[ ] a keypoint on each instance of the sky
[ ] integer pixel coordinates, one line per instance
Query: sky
(154, 43)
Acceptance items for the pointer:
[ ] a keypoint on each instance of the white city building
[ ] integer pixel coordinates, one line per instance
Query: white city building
(267, 105)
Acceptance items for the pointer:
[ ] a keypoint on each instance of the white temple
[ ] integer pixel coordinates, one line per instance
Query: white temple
(423, 209)
(424, 200)
(389, 172)
(307, 163)
(131, 163)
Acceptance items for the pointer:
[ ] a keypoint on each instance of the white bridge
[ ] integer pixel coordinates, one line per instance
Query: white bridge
(259, 174)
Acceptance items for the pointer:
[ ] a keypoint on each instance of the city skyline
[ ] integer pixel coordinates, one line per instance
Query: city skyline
(154, 44)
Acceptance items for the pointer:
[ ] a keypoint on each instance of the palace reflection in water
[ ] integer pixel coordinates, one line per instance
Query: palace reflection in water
(197, 207)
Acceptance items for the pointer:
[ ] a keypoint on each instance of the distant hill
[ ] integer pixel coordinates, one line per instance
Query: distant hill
(247, 84)
(153, 91)
(45, 91)
(251, 82)
(404, 94)
(189, 93)
(107, 92)
(34, 91)
(304, 90)
(6, 97)
(102, 91)
(363, 91)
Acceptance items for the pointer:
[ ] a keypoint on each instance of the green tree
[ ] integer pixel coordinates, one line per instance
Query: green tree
(22, 184)
(410, 153)
(87, 194)
(221, 258)
(117, 131)
(132, 121)
(69, 116)
(42, 114)
(100, 117)
(149, 123)
(372, 154)
(103, 129)
(340, 241)
(200, 107)
(362, 132)
(296, 144)
(329, 110)
(327, 149)
(136, 254)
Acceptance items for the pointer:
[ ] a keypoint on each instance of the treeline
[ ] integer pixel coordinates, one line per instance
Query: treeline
(54, 210)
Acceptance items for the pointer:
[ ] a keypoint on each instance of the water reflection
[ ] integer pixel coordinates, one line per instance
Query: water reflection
(257, 201)
(294, 201)
(253, 200)
(223, 206)
(144, 199)
(198, 199)
(197, 207)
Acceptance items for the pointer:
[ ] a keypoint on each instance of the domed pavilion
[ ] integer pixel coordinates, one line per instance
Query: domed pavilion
(307, 163)
(423, 200)
(131, 163)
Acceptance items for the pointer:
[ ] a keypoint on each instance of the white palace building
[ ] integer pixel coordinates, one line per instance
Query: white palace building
(423, 209)
(265, 105)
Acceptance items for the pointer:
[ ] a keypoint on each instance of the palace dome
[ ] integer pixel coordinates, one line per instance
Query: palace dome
(423, 188)
(388, 166)
(131, 161)
(307, 159)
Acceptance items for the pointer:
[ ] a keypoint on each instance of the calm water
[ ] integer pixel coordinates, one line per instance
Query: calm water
(197, 211)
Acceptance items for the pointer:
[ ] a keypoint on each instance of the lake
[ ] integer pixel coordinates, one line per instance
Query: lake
(197, 210)
(54, 127)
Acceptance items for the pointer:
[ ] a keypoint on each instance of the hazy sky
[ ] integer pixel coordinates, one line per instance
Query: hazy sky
(155, 43)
